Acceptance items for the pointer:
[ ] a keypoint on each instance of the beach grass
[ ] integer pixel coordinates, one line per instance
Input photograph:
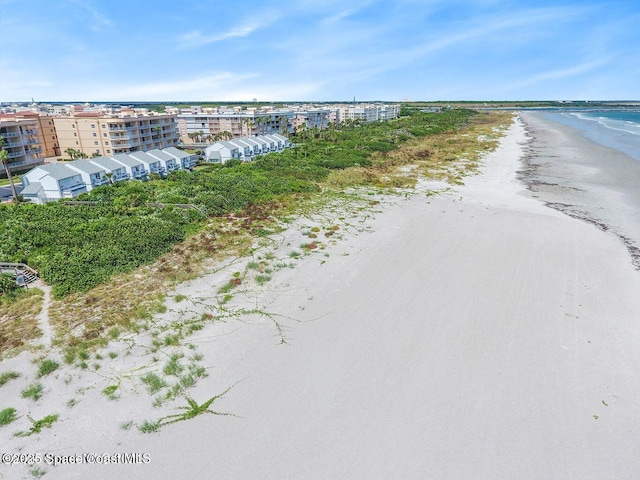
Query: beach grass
(33, 392)
(46, 367)
(19, 321)
(6, 376)
(7, 416)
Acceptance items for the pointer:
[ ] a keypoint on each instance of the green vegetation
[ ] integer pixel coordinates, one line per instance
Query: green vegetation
(34, 392)
(149, 426)
(76, 248)
(38, 425)
(153, 382)
(6, 376)
(8, 286)
(7, 416)
(110, 392)
(46, 367)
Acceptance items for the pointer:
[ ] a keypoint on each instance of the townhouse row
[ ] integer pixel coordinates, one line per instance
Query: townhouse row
(55, 181)
(245, 148)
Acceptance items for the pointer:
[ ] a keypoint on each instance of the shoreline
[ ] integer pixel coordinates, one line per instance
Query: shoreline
(475, 333)
(583, 179)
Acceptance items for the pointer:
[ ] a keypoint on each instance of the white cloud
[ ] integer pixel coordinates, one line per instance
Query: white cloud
(99, 20)
(560, 73)
(198, 39)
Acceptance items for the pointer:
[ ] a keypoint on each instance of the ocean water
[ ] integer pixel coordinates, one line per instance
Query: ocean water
(619, 129)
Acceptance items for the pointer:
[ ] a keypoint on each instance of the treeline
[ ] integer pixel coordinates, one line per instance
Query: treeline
(78, 247)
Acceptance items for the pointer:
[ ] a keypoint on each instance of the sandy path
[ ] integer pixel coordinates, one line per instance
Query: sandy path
(473, 335)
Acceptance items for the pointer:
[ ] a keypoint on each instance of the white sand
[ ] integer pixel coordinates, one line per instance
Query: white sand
(476, 334)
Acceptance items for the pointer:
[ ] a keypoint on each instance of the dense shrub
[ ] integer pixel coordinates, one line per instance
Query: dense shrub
(76, 248)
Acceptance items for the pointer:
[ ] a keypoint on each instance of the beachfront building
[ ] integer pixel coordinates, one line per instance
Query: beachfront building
(246, 150)
(116, 170)
(134, 167)
(221, 152)
(186, 160)
(22, 142)
(270, 143)
(254, 145)
(52, 181)
(109, 134)
(168, 162)
(278, 143)
(264, 145)
(312, 118)
(285, 141)
(152, 164)
(201, 126)
(92, 174)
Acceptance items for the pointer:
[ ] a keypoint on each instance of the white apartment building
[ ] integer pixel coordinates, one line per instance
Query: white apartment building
(203, 125)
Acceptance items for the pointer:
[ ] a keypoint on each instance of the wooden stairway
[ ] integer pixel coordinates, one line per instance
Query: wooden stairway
(20, 270)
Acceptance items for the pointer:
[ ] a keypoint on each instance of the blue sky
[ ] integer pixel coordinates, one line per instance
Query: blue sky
(115, 50)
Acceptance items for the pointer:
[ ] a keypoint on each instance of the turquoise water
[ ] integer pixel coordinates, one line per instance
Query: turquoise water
(619, 129)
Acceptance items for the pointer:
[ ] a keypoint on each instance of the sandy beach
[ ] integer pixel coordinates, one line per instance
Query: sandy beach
(475, 333)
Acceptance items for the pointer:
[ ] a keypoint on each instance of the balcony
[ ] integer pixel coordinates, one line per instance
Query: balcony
(9, 134)
(138, 174)
(74, 190)
(25, 163)
(97, 182)
(120, 177)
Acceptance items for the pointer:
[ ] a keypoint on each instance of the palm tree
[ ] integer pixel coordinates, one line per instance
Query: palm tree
(72, 152)
(4, 157)
(284, 125)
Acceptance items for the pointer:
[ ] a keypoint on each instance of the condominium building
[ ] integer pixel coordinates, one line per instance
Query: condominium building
(22, 142)
(204, 126)
(312, 118)
(367, 112)
(96, 133)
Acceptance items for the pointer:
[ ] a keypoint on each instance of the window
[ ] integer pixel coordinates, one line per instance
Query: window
(95, 143)
(93, 125)
(73, 125)
(76, 142)
(95, 134)
(106, 143)
(104, 134)
(108, 151)
(75, 134)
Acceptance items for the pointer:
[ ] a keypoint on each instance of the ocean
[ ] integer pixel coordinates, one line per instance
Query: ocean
(614, 128)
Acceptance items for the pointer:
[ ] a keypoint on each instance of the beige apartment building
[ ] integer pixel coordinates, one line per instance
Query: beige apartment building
(96, 133)
(22, 142)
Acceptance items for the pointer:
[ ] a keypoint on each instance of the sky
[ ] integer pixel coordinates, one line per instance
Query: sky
(318, 50)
